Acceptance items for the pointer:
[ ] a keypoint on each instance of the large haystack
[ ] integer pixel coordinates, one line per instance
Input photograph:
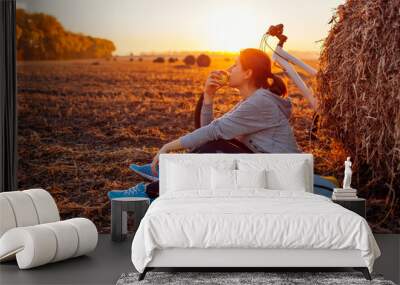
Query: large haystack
(358, 86)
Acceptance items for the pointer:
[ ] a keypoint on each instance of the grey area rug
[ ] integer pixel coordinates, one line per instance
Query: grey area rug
(225, 278)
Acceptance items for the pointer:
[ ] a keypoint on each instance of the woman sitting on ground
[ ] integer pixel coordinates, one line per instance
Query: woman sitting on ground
(258, 123)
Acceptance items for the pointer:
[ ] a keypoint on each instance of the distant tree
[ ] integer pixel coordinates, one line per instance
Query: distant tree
(189, 60)
(203, 60)
(40, 36)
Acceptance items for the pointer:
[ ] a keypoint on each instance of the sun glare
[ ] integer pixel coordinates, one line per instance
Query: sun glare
(231, 28)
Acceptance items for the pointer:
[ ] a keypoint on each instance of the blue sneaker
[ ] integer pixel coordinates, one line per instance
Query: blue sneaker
(135, 191)
(145, 171)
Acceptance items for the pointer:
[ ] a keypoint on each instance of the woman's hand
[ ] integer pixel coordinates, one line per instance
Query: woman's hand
(156, 159)
(174, 145)
(214, 81)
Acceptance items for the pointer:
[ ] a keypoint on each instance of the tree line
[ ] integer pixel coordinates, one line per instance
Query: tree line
(42, 37)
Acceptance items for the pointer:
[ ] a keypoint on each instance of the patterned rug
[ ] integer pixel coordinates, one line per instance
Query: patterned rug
(230, 278)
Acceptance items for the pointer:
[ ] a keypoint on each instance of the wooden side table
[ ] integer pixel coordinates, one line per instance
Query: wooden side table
(357, 205)
(119, 216)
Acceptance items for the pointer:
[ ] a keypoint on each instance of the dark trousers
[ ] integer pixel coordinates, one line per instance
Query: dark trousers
(217, 146)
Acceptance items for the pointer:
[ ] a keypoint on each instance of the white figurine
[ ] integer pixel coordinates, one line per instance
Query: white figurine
(347, 174)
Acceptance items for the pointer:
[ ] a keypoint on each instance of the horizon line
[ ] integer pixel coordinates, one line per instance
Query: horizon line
(215, 52)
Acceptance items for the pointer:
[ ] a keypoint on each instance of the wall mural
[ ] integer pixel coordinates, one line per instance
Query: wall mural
(88, 107)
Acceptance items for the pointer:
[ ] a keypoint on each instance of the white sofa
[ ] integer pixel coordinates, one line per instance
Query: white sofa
(31, 231)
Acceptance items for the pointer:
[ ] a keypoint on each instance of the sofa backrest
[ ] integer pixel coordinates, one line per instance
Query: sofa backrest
(26, 208)
(229, 159)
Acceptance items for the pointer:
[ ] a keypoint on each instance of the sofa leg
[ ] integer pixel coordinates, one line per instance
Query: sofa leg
(364, 271)
(143, 274)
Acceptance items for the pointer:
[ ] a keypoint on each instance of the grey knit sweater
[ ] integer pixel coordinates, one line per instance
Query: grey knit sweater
(261, 121)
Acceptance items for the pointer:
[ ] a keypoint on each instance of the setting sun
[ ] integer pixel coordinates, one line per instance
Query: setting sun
(231, 28)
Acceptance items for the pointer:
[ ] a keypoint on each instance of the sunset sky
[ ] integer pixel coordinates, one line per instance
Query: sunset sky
(181, 25)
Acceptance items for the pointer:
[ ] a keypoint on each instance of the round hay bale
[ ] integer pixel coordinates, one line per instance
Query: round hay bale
(189, 60)
(159, 59)
(203, 60)
(358, 88)
(172, 59)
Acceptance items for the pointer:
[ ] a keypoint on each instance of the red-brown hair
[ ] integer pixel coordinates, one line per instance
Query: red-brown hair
(260, 63)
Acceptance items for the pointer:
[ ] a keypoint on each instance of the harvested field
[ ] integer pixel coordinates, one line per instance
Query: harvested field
(81, 124)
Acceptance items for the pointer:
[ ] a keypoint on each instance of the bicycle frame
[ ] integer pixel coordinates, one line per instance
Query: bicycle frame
(279, 56)
(284, 59)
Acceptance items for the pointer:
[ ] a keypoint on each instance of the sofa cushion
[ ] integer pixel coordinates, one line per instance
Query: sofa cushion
(26, 208)
(51, 242)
